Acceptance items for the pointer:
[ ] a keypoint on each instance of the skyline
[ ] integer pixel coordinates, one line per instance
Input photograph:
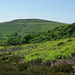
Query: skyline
(53, 10)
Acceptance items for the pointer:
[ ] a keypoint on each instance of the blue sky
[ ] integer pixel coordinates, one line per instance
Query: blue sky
(54, 10)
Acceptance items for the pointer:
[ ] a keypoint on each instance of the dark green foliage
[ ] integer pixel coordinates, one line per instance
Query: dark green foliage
(61, 32)
(67, 30)
(1, 35)
(58, 33)
(15, 34)
(14, 40)
(39, 38)
(61, 43)
(26, 39)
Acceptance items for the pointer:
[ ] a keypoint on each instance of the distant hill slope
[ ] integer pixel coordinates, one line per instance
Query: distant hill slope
(66, 31)
(61, 32)
(24, 26)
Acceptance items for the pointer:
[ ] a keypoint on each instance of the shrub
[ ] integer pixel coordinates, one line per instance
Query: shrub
(61, 43)
(23, 66)
(47, 63)
(63, 68)
(36, 62)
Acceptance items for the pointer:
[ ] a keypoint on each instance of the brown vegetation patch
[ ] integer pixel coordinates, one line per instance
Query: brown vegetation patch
(11, 49)
(66, 61)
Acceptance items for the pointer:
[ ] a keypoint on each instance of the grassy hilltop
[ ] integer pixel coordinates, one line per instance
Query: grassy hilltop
(25, 26)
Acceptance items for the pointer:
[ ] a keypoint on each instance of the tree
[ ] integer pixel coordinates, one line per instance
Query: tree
(14, 40)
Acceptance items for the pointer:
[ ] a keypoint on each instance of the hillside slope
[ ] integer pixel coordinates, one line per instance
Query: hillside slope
(66, 31)
(54, 54)
(60, 32)
(51, 58)
(49, 50)
(25, 26)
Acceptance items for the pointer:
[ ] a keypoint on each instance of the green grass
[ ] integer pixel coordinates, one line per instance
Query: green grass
(26, 26)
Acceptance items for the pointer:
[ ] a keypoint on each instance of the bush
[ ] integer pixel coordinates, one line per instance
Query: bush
(23, 66)
(61, 43)
(47, 63)
(36, 62)
(14, 59)
(63, 68)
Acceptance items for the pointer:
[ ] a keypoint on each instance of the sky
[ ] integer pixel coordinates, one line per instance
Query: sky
(53, 10)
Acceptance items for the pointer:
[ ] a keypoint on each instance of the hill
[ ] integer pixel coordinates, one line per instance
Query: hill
(25, 26)
(61, 32)
(48, 58)
(47, 53)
